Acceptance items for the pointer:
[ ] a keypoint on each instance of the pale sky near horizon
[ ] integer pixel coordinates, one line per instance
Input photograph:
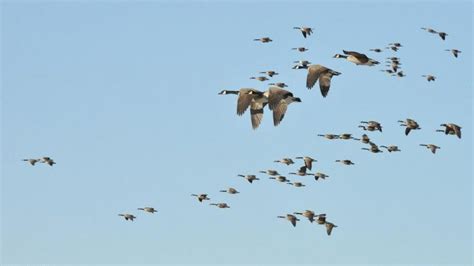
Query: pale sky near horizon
(123, 96)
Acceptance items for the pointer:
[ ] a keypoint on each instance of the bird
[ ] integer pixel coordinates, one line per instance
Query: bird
(373, 148)
(430, 30)
(345, 136)
(300, 49)
(308, 214)
(127, 216)
(301, 172)
(396, 44)
(329, 227)
(48, 160)
(373, 124)
(367, 128)
(319, 175)
(256, 101)
(270, 73)
(270, 172)
(279, 84)
(391, 148)
(261, 78)
(306, 31)
(286, 161)
(264, 40)
(393, 48)
(357, 58)
(451, 128)
(431, 147)
(280, 178)
(429, 77)
(291, 218)
(148, 209)
(321, 219)
(222, 205)
(296, 184)
(399, 74)
(345, 162)
(230, 190)
(32, 161)
(442, 35)
(377, 50)
(329, 136)
(278, 101)
(302, 64)
(389, 71)
(455, 52)
(201, 197)
(249, 178)
(323, 74)
(364, 139)
(308, 161)
(410, 124)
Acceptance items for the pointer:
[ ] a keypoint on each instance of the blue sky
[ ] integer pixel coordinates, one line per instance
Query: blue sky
(124, 97)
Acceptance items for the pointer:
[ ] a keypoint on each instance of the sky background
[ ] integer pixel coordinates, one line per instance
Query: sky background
(123, 96)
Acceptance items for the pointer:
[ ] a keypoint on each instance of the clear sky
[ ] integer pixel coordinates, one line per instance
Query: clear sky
(124, 97)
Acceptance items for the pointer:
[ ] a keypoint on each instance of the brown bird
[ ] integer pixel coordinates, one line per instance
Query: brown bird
(249, 178)
(221, 205)
(201, 197)
(306, 31)
(230, 190)
(357, 58)
(280, 179)
(301, 172)
(329, 227)
(32, 161)
(270, 73)
(429, 77)
(148, 209)
(308, 161)
(319, 175)
(297, 184)
(377, 50)
(451, 128)
(291, 218)
(431, 147)
(127, 216)
(329, 136)
(455, 52)
(373, 124)
(323, 74)
(391, 148)
(410, 124)
(261, 78)
(264, 40)
(346, 162)
(300, 49)
(286, 161)
(373, 148)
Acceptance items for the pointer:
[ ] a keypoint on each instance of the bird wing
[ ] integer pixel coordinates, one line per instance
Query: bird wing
(314, 72)
(279, 112)
(256, 113)
(293, 222)
(244, 100)
(325, 83)
(329, 228)
(308, 163)
(457, 130)
(407, 130)
(361, 57)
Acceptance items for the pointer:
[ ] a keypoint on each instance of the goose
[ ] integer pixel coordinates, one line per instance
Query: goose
(321, 219)
(357, 58)
(306, 31)
(367, 128)
(291, 218)
(429, 77)
(261, 78)
(286, 161)
(345, 136)
(319, 175)
(455, 52)
(308, 161)
(279, 84)
(431, 147)
(442, 35)
(308, 214)
(301, 172)
(278, 101)
(296, 184)
(48, 160)
(270, 73)
(393, 48)
(329, 136)
(222, 205)
(364, 139)
(329, 227)
(264, 39)
(280, 179)
(394, 58)
(256, 101)
(399, 74)
(302, 64)
(270, 172)
(249, 178)
(323, 74)
(389, 71)
(127, 216)
(32, 161)
(396, 44)
(377, 50)
(410, 124)
(300, 49)
(430, 30)
(345, 162)
(391, 148)
(148, 209)
(376, 125)
(230, 190)
(451, 128)
(201, 197)
(442, 130)
(373, 148)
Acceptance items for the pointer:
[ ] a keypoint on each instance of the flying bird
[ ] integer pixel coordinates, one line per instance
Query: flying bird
(323, 74)
(357, 58)
(306, 31)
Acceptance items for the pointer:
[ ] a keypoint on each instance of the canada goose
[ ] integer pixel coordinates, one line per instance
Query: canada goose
(48, 160)
(264, 40)
(127, 216)
(323, 74)
(306, 31)
(329, 227)
(279, 84)
(454, 51)
(409, 124)
(329, 136)
(399, 74)
(278, 101)
(442, 35)
(451, 128)
(373, 124)
(393, 48)
(364, 139)
(255, 100)
(270, 172)
(280, 178)
(429, 77)
(249, 178)
(296, 184)
(300, 49)
(291, 218)
(302, 64)
(367, 128)
(377, 50)
(308, 161)
(201, 197)
(431, 147)
(345, 136)
(148, 209)
(222, 205)
(442, 130)
(270, 73)
(396, 44)
(32, 161)
(319, 175)
(286, 161)
(357, 58)
(373, 148)
(301, 172)
(321, 219)
(308, 214)
(430, 30)
(391, 148)
(394, 58)
(230, 190)
(389, 71)
(345, 162)
(261, 78)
